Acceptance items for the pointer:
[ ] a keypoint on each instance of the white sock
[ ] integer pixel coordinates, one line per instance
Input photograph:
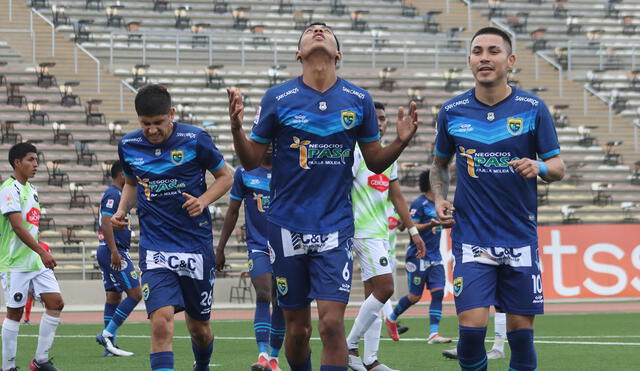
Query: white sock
(10, 330)
(372, 341)
(387, 309)
(368, 313)
(500, 322)
(48, 327)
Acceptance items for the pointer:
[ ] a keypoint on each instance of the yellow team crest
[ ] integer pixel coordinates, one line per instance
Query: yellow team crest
(283, 287)
(145, 291)
(250, 263)
(348, 119)
(177, 156)
(134, 275)
(417, 281)
(457, 286)
(515, 125)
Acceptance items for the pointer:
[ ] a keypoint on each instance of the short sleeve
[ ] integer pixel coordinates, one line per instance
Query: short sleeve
(547, 144)
(368, 131)
(10, 200)
(394, 172)
(126, 168)
(357, 160)
(109, 203)
(429, 212)
(445, 147)
(266, 121)
(238, 190)
(208, 154)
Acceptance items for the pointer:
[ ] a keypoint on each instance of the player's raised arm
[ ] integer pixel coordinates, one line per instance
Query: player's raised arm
(249, 151)
(379, 158)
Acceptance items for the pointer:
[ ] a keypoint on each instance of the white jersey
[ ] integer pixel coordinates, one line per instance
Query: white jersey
(370, 197)
(14, 254)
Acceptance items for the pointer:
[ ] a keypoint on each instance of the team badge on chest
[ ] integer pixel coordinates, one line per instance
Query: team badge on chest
(177, 156)
(514, 125)
(348, 119)
(491, 116)
(322, 106)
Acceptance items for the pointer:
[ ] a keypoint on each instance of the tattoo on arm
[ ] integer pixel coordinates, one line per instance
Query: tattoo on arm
(439, 179)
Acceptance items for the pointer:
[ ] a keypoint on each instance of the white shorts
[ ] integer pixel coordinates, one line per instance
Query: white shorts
(18, 284)
(373, 254)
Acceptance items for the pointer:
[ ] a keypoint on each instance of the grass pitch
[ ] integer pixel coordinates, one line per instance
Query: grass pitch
(563, 342)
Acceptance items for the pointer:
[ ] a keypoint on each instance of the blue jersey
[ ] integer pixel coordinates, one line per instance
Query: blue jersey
(422, 211)
(252, 187)
(109, 206)
(313, 137)
(494, 205)
(163, 172)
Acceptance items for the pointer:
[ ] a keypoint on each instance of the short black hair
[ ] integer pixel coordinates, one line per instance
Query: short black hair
(319, 24)
(378, 105)
(494, 31)
(19, 151)
(153, 100)
(425, 186)
(116, 169)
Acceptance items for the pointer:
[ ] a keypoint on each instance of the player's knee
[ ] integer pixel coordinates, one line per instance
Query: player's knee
(414, 298)
(135, 294)
(55, 304)
(331, 328)
(263, 295)
(300, 333)
(384, 292)
(161, 331)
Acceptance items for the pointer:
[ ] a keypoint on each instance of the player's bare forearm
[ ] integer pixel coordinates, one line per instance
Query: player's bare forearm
(556, 169)
(439, 178)
(128, 198)
(230, 221)
(398, 201)
(379, 158)
(424, 226)
(220, 186)
(107, 233)
(250, 153)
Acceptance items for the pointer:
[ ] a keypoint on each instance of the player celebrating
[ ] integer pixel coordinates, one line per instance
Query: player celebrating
(497, 131)
(23, 262)
(252, 187)
(118, 272)
(164, 165)
(370, 194)
(427, 271)
(314, 122)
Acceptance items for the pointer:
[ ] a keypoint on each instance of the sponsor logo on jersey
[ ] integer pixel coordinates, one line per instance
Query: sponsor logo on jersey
(161, 187)
(417, 280)
(529, 100)
(379, 182)
(287, 93)
(262, 201)
(256, 119)
(123, 264)
(110, 203)
(319, 153)
(393, 223)
(33, 217)
(351, 91)
(456, 104)
(250, 264)
(348, 119)
(457, 286)
(515, 125)
(145, 291)
(177, 156)
(281, 284)
(410, 267)
(465, 128)
(294, 243)
(486, 162)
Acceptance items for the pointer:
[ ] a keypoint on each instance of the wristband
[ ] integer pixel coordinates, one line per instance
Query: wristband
(543, 168)
(413, 231)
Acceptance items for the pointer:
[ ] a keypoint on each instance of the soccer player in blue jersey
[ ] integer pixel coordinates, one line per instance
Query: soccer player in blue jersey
(165, 166)
(497, 133)
(118, 272)
(427, 271)
(252, 187)
(314, 122)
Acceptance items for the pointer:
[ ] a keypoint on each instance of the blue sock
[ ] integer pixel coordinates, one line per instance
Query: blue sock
(262, 325)
(202, 356)
(304, 366)
(122, 312)
(402, 305)
(471, 353)
(435, 310)
(277, 331)
(523, 352)
(333, 368)
(109, 310)
(161, 361)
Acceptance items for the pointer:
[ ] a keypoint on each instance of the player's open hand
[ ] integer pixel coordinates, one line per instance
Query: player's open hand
(220, 260)
(406, 125)
(420, 246)
(119, 221)
(236, 107)
(444, 210)
(526, 167)
(193, 205)
(48, 260)
(116, 261)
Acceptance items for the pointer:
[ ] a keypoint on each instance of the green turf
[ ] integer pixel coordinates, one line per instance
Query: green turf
(75, 349)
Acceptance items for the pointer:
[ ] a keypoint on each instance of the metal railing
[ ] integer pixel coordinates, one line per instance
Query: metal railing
(181, 47)
(608, 53)
(636, 128)
(507, 29)
(607, 101)
(124, 84)
(75, 64)
(53, 30)
(469, 14)
(557, 66)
